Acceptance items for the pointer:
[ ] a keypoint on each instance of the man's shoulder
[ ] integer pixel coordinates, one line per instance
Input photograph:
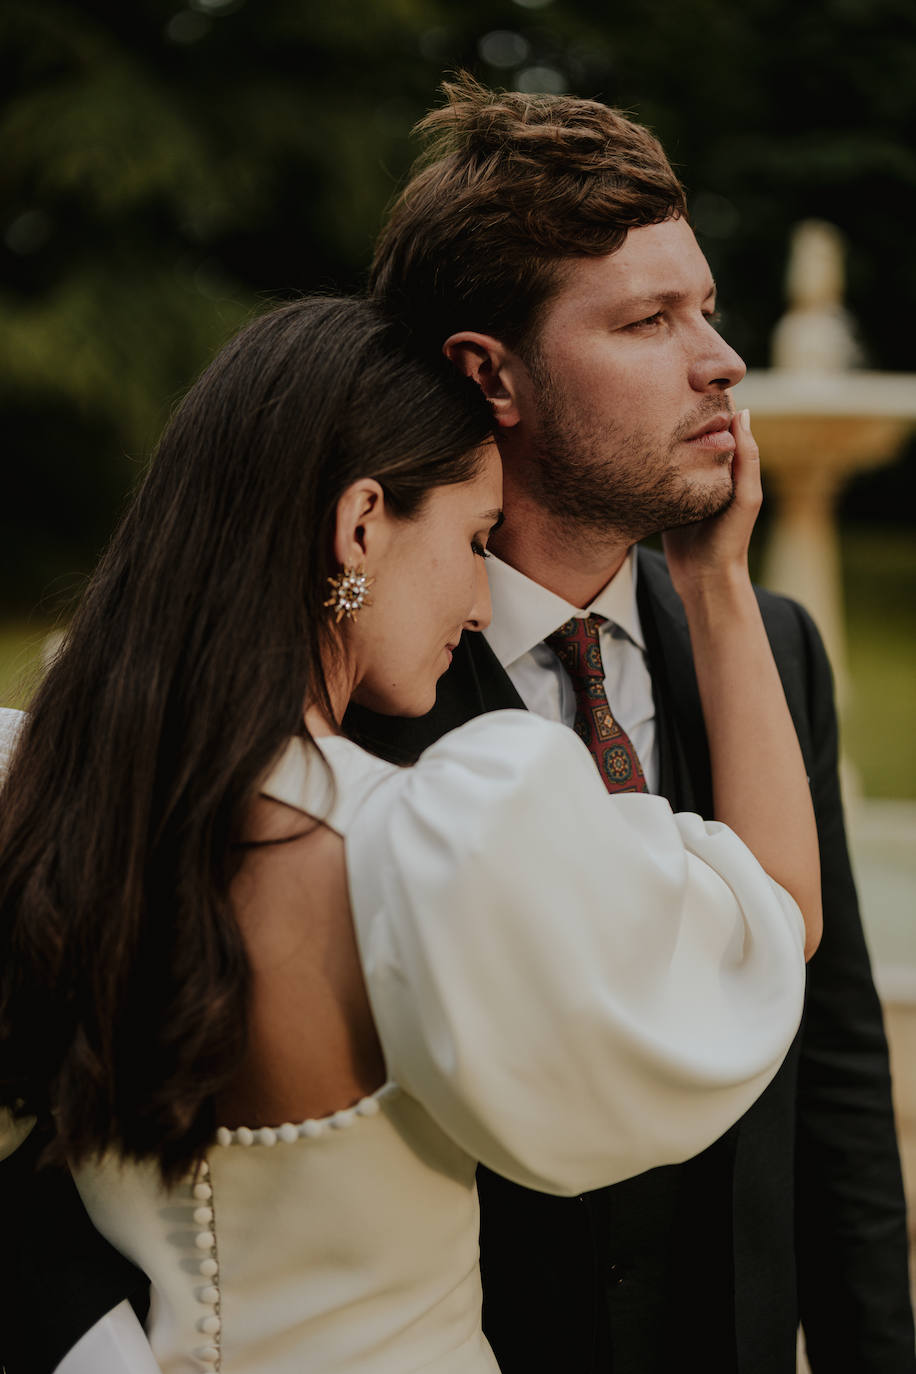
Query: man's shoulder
(779, 611)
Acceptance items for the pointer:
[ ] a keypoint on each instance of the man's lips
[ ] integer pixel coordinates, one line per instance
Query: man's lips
(715, 435)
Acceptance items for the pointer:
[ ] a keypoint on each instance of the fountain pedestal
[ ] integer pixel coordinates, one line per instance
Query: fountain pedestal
(815, 429)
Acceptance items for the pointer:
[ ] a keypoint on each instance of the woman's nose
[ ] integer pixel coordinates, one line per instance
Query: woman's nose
(481, 612)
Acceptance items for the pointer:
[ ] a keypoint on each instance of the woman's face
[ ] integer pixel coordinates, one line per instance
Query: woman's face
(430, 584)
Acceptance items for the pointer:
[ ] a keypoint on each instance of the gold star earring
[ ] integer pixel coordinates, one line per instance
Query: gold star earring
(349, 593)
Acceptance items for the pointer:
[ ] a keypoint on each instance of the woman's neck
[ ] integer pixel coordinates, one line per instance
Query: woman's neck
(319, 723)
(340, 677)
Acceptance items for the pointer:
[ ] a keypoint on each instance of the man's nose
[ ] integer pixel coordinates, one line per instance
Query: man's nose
(715, 365)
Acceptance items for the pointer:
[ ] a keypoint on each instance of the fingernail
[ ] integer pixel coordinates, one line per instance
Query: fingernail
(744, 419)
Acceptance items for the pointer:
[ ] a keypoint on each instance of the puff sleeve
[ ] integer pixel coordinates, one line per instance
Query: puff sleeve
(12, 1130)
(11, 722)
(576, 986)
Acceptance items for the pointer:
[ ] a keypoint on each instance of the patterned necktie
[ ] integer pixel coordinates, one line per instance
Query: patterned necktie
(576, 646)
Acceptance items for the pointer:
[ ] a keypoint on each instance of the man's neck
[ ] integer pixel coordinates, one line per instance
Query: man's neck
(574, 564)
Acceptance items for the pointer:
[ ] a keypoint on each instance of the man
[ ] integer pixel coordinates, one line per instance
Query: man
(544, 245)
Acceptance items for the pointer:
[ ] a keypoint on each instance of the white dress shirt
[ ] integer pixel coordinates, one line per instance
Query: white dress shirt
(525, 613)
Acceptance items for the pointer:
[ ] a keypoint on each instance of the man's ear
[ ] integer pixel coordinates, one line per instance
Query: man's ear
(362, 527)
(492, 366)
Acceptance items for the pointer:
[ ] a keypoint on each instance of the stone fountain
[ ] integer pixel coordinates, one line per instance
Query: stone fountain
(818, 420)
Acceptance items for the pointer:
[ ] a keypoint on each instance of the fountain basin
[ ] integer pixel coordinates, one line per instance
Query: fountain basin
(831, 423)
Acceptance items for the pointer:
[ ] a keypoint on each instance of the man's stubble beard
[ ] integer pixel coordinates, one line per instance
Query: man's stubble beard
(616, 483)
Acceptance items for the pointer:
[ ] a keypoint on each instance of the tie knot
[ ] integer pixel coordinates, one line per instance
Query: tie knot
(576, 645)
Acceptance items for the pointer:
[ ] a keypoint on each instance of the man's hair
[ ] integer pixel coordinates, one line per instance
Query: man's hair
(508, 187)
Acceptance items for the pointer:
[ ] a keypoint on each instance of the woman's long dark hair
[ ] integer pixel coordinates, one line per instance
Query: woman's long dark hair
(123, 975)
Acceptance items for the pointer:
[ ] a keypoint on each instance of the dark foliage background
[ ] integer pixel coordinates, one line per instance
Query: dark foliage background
(165, 171)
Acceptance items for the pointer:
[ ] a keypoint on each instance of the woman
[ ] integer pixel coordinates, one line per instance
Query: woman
(279, 997)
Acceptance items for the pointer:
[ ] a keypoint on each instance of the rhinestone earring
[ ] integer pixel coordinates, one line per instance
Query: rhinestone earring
(349, 593)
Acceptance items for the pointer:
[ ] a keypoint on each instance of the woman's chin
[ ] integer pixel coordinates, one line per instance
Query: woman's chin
(418, 701)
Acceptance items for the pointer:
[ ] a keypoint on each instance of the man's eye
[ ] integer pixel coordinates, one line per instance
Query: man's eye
(479, 549)
(713, 317)
(647, 322)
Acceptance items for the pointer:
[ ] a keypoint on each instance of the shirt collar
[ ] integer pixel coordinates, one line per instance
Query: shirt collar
(524, 612)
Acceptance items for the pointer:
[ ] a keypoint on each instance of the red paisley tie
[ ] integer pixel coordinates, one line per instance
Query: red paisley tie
(576, 646)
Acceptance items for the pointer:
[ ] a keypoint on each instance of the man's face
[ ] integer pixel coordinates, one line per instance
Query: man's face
(624, 400)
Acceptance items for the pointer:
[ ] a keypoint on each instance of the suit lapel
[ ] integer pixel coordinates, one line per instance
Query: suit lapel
(474, 684)
(683, 752)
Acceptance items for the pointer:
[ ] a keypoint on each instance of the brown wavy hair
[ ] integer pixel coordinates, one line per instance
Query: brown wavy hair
(507, 188)
(123, 974)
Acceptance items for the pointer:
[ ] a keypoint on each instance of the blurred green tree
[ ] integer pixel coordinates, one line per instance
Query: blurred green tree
(167, 170)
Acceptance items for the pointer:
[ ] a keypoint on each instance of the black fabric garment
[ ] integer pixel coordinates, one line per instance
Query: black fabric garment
(796, 1212)
(57, 1274)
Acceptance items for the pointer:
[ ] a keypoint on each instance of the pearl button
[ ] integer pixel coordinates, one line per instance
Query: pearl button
(209, 1325)
(344, 1118)
(288, 1132)
(203, 1192)
(204, 1241)
(209, 1295)
(223, 1136)
(267, 1136)
(368, 1106)
(244, 1136)
(207, 1353)
(311, 1129)
(208, 1268)
(203, 1215)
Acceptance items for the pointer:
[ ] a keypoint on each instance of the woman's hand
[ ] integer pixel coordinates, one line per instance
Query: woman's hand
(715, 549)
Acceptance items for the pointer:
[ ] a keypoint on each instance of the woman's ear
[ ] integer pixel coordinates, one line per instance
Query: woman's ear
(361, 530)
(492, 366)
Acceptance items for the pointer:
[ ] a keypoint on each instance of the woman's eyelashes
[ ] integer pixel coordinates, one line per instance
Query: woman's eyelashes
(478, 543)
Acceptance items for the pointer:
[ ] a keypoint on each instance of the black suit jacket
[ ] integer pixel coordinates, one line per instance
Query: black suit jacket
(796, 1212)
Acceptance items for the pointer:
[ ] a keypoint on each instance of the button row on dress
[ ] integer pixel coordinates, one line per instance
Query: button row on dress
(305, 1130)
(208, 1295)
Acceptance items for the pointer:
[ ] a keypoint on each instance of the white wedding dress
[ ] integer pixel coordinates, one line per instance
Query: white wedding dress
(569, 986)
